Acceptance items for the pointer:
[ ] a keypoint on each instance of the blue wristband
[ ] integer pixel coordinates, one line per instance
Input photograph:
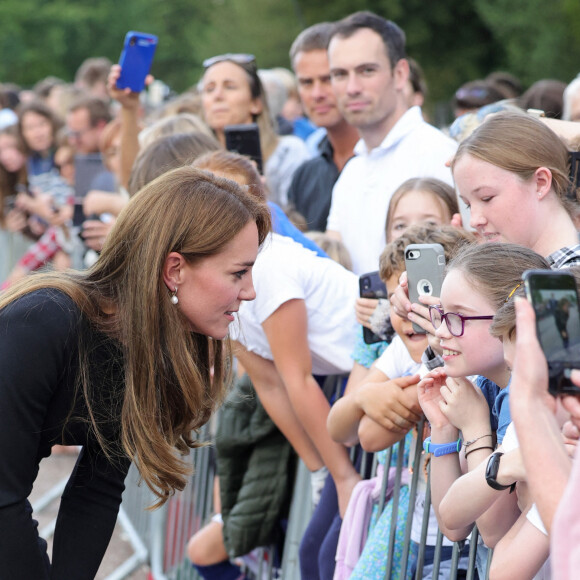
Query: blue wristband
(439, 449)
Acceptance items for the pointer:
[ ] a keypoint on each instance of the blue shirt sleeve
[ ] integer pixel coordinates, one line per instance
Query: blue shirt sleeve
(283, 226)
(490, 391)
(502, 410)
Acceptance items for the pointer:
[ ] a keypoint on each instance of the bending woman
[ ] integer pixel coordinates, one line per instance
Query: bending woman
(120, 363)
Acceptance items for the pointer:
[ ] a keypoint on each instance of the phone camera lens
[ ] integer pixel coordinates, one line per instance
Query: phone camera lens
(132, 42)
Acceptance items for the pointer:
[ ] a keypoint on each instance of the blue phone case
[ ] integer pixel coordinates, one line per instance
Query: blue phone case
(136, 60)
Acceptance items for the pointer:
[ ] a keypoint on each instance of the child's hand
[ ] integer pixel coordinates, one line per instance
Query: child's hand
(364, 308)
(430, 399)
(420, 312)
(400, 297)
(465, 406)
(386, 404)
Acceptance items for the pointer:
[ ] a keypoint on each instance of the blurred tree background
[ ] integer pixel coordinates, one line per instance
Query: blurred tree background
(454, 40)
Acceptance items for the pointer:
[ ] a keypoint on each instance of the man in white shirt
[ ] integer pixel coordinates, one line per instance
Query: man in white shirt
(369, 73)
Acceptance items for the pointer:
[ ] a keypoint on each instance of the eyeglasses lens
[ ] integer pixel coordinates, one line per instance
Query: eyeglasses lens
(454, 323)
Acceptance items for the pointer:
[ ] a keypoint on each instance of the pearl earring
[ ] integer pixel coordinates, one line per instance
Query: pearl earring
(174, 299)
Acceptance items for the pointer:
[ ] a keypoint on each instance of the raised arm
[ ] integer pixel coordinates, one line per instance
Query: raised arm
(273, 395)
(546, 460)
(129, 116)
(287, 333)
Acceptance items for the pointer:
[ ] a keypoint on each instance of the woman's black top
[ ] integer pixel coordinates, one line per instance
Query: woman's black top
(40, 406)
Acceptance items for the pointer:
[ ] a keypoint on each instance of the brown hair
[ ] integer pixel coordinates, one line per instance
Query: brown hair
(335, 249)
(233, 166)
(495, 270)
(392, 260)
(8, 180)
(520, 143)
(93, 70)
(439, 189)
(392, 36)
(98, 109)
(171, 125)
(315, 37)
(504, 320)
(167, 153)
(169, 388)
(43, 110)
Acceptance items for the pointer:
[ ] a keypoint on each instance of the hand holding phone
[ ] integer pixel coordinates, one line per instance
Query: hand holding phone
(554, 297)
(135, 61)
(371, 286)
(245, 140)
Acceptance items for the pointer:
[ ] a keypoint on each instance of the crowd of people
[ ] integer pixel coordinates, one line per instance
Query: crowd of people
(150, 275)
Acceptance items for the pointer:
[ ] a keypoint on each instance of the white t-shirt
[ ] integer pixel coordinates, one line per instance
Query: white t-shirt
(509, 443)
(285, 270)
(290, 154)
(396, 361)
(361, 196)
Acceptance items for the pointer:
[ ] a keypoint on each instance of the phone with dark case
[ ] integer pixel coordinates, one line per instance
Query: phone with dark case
(554, 296)
(371, 286)
(245, 140)
(136, 59)
(425, 265)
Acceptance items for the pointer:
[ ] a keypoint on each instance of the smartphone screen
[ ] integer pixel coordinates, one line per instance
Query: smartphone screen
(554, 297)
(371, 286)
(245, 140)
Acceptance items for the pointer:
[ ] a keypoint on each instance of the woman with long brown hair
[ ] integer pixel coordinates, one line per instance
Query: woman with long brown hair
(119, 360)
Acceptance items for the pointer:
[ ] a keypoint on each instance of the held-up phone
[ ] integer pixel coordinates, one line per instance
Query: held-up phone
(136, 59)
(425, 264)
(554, 297)
(371, 286)
(245, 140)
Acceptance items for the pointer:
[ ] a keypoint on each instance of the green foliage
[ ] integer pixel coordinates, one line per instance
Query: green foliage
(453, 40)
(540, 41)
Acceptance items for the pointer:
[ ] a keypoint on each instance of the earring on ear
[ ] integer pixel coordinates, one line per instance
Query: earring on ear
(174, 299)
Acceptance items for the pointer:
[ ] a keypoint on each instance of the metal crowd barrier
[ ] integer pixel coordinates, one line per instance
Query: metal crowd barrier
(12, 248)
(160, 537)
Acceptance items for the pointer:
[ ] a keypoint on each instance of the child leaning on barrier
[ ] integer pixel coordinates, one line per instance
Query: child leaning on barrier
(523, 550)
(384, 408)
(479, 282)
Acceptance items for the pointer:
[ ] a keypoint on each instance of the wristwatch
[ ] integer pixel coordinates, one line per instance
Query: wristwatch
(439, 449)
(491, 473)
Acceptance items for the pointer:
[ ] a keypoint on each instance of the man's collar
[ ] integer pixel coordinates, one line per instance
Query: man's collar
(409, 121)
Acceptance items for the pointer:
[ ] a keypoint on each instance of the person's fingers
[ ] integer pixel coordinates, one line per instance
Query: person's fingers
(575, 377)
(422, 322)
(456, 220)
(570, 430)
(572, 404)
(404, 382)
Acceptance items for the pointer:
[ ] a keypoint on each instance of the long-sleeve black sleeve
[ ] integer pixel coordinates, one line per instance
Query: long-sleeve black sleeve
(39, 338)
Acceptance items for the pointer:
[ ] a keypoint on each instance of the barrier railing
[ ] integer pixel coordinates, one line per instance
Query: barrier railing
(164, 533)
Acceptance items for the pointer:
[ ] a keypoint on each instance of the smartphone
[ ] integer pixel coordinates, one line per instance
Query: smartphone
(136, 59)
(371, 286)
(245, 140)
(425, 264)
(554, 297)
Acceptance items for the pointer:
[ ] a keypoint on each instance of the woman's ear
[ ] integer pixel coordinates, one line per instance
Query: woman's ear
(543, 181)
(172, 270)
(256, 106)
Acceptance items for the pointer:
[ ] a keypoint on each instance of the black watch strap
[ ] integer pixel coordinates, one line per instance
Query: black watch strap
(491, 473)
